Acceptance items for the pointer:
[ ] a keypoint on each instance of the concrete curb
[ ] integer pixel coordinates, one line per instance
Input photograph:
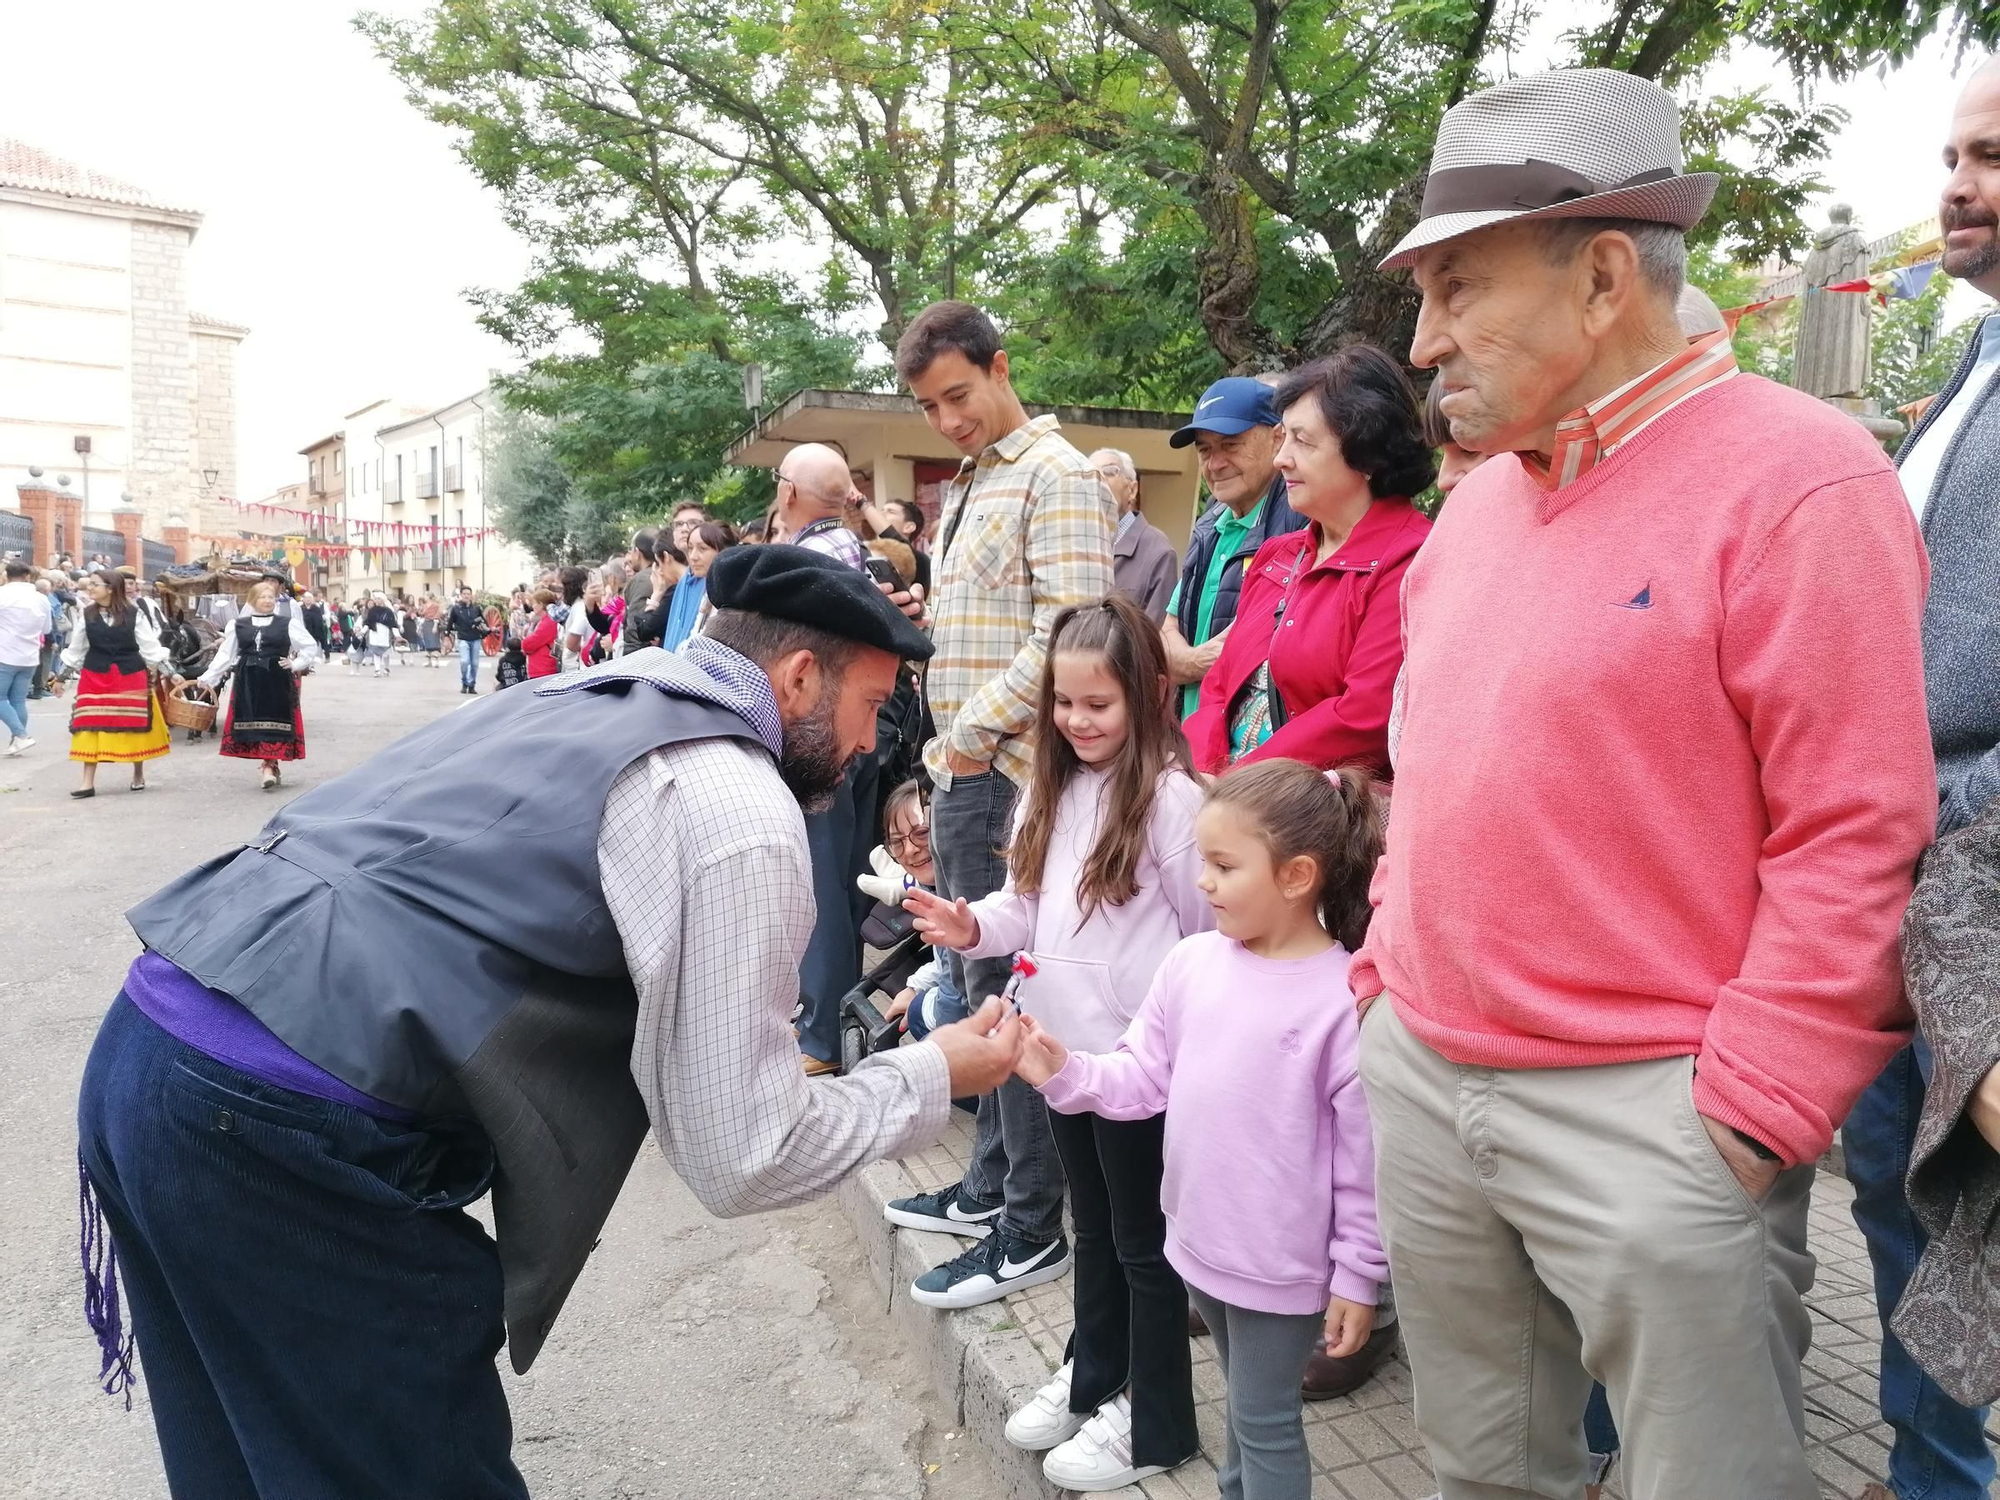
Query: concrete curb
(980, 1360)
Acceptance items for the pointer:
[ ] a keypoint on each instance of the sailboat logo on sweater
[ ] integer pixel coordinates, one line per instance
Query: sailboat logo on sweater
(1641, 600)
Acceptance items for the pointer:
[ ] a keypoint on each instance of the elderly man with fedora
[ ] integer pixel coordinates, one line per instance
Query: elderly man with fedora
(320, 1061)
(1663, 779)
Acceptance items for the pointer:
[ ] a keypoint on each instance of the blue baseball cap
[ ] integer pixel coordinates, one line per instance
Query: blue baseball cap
(1234, 404)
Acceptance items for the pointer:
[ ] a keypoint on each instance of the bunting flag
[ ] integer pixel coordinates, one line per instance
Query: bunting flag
(1908, 283)
(374, 535)
(1731, 316)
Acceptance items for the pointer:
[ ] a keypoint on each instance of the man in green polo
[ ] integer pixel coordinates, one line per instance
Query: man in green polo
(1235, 429)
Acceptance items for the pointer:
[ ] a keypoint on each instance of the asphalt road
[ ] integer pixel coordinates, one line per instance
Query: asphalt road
(697, 1357)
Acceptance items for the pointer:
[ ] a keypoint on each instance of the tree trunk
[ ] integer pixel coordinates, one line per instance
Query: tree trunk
(1228, 275)
(1374, 307)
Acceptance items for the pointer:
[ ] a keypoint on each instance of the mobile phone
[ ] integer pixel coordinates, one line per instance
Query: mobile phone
(883, 571)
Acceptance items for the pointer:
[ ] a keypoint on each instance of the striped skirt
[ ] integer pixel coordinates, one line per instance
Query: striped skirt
(116, 716)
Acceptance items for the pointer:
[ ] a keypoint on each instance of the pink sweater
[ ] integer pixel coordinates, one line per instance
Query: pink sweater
(1665, 771)
(1270, 1184)
(1093, 973)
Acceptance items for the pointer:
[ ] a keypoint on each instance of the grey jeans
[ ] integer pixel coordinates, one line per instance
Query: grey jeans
(1263, 1358)
(1014, 1159)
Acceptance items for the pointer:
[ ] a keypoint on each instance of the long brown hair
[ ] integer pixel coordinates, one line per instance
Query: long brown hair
(1115, 629)
(1330, 816)
(119, 608)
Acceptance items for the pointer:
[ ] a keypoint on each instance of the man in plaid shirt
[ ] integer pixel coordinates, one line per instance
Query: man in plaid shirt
(1025, 530)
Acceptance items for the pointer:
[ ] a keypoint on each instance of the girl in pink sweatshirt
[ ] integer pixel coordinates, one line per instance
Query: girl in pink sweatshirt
(1250, 1044)
(1103, 882)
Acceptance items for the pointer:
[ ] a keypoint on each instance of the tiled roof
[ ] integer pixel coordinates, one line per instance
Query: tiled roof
(25, 166)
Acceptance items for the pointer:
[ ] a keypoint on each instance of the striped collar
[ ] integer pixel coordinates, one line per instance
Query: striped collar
(1591, 434)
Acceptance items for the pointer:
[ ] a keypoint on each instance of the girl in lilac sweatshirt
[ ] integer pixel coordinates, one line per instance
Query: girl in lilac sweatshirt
(1249, 1042)
(1103, 882)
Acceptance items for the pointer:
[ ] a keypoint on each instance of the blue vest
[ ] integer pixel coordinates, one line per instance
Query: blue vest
(430, 928)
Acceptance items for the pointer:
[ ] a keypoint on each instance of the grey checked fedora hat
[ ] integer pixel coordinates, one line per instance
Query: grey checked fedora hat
(1578, 143)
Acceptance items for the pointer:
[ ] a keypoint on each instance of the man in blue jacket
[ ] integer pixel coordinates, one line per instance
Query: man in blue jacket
(1235, 429)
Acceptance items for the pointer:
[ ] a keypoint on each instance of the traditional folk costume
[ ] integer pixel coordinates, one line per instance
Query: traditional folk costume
(263, 721)
(116, 714)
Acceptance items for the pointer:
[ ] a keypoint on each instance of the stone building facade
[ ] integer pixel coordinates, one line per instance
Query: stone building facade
(106, 373)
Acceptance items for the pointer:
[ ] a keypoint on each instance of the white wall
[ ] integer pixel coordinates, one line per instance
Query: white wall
(66, 348)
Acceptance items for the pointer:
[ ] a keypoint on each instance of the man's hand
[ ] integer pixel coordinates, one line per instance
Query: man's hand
(950, 924)
(1042, 1056)
(981, 1050)
(910, 601)
(1983, 1107)
(1348, 1325)
(965, 765)
(1751, 1170)
(1189, 664)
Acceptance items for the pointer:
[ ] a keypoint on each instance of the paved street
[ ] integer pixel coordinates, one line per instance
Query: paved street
(697, 1358)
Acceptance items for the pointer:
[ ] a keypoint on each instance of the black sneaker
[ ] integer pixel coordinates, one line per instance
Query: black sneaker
(990, 1270)
(947, 1211)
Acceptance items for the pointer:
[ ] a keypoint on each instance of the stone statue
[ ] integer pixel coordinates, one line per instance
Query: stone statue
(1831, 358)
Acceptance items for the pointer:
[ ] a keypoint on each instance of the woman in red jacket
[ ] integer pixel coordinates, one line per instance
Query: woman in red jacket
(539, 644)
(1309, 666)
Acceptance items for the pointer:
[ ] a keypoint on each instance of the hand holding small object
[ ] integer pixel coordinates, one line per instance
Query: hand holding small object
(980, 1051)
(950, 923)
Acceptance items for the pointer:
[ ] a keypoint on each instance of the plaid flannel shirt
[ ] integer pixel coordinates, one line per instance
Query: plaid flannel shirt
(1028, 527)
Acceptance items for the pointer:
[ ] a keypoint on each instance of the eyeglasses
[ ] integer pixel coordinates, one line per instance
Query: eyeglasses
(915, 840)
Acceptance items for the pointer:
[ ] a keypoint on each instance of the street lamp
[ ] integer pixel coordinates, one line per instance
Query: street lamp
(208, 478)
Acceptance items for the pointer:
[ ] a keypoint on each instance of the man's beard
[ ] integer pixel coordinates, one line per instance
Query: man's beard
(811, 762)
(1970, 265)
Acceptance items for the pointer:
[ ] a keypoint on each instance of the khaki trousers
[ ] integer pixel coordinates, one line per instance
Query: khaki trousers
(1545, 1226)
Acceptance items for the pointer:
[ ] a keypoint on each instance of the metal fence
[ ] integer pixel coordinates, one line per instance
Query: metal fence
(111, 543)
(158, 557)
(17, 534)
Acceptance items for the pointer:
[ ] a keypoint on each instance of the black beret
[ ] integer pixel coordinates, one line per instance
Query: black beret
(810, 588)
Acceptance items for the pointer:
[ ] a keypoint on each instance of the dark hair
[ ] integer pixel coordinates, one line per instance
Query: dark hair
(18, 569)
(716, 535)
(574, 581)
(941, 328)
(765, 639)
(113, 581)
(1437, 431)
(1370, 405)
(670, 550)
(1329, 816)
(1116, 629)
(646, 542)
(912, 513)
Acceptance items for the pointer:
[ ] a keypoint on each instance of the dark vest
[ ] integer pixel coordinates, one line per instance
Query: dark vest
(1277, 518)
(430, 929)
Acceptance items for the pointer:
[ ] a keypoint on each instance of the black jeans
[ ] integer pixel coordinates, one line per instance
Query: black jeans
(316, 1312)
(1131, 1306)
(1013, 1154)
(839, 840)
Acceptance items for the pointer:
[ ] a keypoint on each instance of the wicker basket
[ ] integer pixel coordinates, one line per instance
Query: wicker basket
(189, 706)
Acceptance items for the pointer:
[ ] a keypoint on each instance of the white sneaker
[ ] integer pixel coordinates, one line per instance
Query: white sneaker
(1099, 1457)
(21, 742)
(1046, 1421)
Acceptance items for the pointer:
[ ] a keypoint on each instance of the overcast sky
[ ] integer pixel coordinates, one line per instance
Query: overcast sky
(342, 229)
